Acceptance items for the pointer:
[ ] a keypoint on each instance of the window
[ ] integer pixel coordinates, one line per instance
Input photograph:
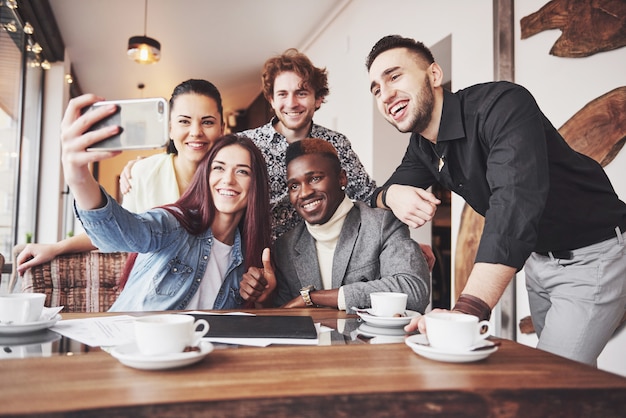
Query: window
(21, 78)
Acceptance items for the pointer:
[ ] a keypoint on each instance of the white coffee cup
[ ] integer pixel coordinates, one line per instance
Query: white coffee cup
(455, 331)
(388, 304)
(21, 308)
(168, 333)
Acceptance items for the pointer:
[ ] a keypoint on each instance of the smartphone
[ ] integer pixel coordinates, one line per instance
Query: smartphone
(144, 124)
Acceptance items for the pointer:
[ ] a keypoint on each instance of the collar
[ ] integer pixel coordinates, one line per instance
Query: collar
(451, 125)
(236, 252)
(330, 230)
(276, 134)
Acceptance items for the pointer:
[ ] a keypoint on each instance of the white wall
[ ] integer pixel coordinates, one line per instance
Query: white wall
(562, 86)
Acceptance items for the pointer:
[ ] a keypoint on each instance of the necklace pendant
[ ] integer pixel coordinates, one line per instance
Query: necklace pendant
(441, 163)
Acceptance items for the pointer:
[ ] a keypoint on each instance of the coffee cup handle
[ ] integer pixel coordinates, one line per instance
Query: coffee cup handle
(197, 335)
(487, 332)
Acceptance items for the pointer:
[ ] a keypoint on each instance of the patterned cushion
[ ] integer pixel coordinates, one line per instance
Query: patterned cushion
(82, 282)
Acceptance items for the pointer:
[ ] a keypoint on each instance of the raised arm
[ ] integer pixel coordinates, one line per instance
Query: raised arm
(75, 138)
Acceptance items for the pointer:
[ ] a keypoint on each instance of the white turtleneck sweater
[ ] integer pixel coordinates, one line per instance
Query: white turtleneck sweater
(326, 237)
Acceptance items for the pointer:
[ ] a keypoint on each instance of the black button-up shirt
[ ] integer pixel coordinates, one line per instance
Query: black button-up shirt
(503, 156)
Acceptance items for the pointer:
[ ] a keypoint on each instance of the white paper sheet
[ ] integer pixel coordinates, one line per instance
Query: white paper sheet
(97, 332)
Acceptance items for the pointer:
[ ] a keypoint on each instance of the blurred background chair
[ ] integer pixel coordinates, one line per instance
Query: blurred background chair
(81, 282)
(1, 269)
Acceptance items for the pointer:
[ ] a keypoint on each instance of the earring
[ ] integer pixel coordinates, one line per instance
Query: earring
(343, 187)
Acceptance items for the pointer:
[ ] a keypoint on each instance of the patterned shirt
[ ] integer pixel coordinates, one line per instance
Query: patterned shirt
(273, 145)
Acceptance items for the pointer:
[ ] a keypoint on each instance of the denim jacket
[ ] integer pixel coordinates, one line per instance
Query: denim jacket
(171, 262)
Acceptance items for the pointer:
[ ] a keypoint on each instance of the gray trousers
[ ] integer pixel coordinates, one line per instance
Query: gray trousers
(577, 304)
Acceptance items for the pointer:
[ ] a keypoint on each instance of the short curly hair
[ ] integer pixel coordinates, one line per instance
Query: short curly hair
(313, 146)
(396, 41)
(294, 60)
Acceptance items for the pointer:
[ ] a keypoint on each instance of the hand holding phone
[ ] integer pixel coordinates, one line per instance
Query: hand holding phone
(144, 125)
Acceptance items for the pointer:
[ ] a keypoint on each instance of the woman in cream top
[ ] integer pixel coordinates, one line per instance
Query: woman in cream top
(196, 122)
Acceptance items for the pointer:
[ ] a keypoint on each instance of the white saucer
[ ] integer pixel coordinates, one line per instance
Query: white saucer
(419, 344)
(388, 321)
(129, 356)
(15, 340)
(380, 335)
(374, 331)
(28, 326)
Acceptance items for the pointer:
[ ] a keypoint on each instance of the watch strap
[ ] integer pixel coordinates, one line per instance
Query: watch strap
(305, 292)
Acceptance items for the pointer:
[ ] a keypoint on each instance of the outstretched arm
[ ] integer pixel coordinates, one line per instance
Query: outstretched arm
(75, 139)
(486, 282)
(35, 254)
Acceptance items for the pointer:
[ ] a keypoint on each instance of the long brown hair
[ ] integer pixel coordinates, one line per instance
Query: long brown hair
(195, 210)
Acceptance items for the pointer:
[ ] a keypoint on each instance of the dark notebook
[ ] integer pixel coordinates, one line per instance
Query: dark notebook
(246, 326)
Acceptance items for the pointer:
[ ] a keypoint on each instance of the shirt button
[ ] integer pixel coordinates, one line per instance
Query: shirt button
(205, 257)
(175, 270)
(198, 280)
(460, 185)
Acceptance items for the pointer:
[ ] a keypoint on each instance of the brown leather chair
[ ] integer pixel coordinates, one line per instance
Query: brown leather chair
(81, 282)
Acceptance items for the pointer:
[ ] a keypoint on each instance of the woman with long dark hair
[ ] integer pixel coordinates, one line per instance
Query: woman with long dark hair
(194, 253)
(196, 122)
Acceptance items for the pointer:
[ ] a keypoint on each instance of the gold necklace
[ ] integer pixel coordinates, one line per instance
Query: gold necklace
(441, 157)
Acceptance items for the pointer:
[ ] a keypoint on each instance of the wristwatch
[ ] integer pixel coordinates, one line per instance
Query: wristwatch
(305, 292)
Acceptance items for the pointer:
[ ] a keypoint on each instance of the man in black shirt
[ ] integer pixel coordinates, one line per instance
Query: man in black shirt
(546, 206)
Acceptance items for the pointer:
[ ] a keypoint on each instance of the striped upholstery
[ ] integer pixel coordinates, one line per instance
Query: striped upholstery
(82, 282)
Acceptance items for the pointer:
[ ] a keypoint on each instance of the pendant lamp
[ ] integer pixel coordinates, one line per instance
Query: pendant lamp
(143, 49)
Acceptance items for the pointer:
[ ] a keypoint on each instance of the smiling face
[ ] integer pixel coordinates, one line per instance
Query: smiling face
(230, 179)
(403, 91)
(195, 125)
(294, 103)
(315, 187)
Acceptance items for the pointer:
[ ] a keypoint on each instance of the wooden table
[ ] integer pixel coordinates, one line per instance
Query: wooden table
(354, 380)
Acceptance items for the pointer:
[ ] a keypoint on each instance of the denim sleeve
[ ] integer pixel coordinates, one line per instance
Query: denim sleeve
(112, 228)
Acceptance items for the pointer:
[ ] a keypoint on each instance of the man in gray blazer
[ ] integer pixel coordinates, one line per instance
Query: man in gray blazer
(343, 250)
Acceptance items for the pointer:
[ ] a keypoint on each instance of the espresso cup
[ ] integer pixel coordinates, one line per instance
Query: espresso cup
(21, 308)
(388, 304)
(168, 333)
(455, 331)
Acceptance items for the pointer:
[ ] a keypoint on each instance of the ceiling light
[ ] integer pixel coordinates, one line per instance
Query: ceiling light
(143, 49)
(36, 48)
(11, 26)
(28, 29)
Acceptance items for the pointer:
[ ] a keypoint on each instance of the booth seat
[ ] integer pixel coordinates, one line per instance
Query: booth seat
(81, 282)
